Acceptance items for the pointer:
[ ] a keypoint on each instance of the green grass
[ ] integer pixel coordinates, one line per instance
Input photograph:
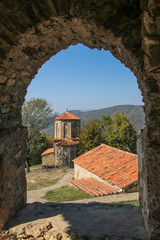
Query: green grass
(41, 184)
(131, 202)
(68, 193)
(34, 168)
(65, 193)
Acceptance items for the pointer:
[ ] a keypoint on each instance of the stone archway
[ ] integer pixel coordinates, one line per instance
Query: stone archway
(33, 31)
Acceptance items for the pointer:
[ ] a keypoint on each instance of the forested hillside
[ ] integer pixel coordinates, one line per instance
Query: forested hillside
(135, 114)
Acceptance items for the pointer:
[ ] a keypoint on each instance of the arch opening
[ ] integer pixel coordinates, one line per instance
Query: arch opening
(67, 90)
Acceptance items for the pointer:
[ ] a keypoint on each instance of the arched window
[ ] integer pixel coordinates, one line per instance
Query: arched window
(65, 130)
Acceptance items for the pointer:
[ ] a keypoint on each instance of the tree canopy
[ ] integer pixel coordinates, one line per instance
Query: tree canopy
(90, 136)
(115, 131)
(37, 143)
(36, 115)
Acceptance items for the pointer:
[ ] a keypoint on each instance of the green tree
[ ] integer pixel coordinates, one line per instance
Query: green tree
(118, 132)
(90, 136)
(36, 115)
(37, 143)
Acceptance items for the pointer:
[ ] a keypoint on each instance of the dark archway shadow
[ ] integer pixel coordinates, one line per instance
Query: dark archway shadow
(95, 220)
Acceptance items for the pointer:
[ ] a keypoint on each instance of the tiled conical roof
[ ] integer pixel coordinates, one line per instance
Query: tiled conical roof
(67, 116)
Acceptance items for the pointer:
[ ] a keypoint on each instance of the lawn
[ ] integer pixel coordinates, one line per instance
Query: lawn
(131, 202)
(65, 193)
(69, 193)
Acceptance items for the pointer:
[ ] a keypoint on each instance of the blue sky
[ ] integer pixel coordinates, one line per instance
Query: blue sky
(82, 78)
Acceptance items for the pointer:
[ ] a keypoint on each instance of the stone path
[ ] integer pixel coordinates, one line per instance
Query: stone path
(35, 195)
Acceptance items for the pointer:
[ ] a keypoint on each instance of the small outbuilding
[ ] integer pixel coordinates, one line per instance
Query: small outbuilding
(106, 168)
(48, 157)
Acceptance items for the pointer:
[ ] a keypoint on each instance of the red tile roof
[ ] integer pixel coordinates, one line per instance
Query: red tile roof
(76, 139)
(93, 187)
(117, 167)
(57, 139)
(49, 150)
(66, 142)
(67, 116)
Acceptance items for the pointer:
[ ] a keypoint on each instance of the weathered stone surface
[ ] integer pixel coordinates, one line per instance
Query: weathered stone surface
(12, 174)
(48, 160)
(69, 221)
(32, 32)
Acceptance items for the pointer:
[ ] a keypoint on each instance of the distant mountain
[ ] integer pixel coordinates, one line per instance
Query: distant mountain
(135, 114)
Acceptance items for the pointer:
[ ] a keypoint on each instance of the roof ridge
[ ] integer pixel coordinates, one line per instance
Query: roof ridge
(120, 150)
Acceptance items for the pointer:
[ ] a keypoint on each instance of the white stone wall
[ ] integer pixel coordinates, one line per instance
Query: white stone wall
(80, 172)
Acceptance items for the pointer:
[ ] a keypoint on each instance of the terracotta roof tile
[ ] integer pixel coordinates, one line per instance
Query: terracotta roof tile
(117, 167)
(76, 139)
(93, 187)
(56, 139)
(67, 116)
(49, 150)
(66, 142)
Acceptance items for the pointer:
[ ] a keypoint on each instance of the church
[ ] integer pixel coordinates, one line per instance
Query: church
(65, 143)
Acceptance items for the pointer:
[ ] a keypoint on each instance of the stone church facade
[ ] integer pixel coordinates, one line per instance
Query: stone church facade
(65, 143)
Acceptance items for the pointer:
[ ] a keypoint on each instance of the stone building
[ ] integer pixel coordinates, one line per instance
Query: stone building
(65, 143)
(48, 157)
(106, 170)
(67, 126)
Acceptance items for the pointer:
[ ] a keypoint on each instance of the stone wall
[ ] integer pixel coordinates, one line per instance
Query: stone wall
(66, 128)
(63, 129)
(33, 31)
(65, 154)
(12, 172)
(48, 160)
(75, 127)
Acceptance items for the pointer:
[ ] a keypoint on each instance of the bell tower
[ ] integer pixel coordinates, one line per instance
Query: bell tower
(67, 126)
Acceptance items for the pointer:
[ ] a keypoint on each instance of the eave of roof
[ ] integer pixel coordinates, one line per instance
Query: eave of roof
(67, 116)
(66, 142)
(57, 139)
(93, 187)
(48, 151)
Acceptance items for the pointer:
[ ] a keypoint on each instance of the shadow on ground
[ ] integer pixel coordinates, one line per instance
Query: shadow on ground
(97, 220)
